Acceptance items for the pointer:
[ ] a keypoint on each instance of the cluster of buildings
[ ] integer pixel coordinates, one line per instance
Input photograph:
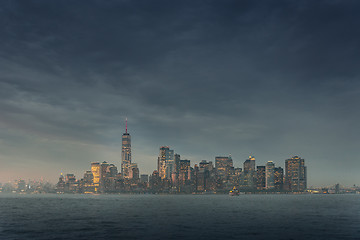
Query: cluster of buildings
(176, 175)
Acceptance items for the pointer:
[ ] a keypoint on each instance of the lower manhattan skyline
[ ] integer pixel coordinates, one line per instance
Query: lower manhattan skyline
(247, 78)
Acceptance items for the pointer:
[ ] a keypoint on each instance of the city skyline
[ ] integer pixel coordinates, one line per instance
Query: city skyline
(125, 154)
(207, 78)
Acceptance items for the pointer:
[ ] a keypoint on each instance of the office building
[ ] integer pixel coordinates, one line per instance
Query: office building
(269, 175)
(279, 178)
(223, 167)
(166, 162)
(248, 180)
(126, 154)
(260, 178)
(295, 174)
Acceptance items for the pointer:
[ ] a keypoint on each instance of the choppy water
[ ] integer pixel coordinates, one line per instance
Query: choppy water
(179, 217)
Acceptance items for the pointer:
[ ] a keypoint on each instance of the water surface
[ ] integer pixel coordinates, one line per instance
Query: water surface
(179, 216)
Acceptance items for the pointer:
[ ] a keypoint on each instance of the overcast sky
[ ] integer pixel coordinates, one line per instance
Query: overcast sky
(271, 79)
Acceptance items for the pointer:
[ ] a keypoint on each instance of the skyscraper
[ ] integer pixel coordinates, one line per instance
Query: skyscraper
(223, 165)
(279, 178)
(126, 154)
(295, 174)
(248, 179)
(270, 177)
(95, 169)
(260, 177)
(166, 164)
(184, 171)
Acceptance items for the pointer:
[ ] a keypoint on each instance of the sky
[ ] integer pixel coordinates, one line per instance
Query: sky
(272, 79)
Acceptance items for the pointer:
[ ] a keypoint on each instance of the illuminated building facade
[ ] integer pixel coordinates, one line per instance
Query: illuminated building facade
(223, 167)
(95, 169)
(126, 154)
(166, 162)
(248, 179)
(295, 174)
(260, 177)
(269, 175)
(279, 178)
(134, 172)
(184, 171)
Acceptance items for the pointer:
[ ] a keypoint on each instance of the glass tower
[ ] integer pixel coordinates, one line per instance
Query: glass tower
(126, 154)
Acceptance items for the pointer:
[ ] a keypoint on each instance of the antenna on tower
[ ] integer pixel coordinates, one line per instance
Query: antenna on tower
(126, 125)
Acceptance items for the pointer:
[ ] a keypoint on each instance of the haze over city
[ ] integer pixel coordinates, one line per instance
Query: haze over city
(207, 78)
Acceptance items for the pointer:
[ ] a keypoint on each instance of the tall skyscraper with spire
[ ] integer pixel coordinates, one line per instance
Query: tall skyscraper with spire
(126, 153)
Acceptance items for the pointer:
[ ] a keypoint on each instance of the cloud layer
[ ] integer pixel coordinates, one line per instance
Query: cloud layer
(208, 78)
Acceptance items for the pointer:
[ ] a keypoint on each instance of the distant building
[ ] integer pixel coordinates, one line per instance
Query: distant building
(144, 178)
(103, 171)
(260, 178)
(279, 178)
(223, 167)
(248, 180)
(166, 162)
(155, 182)
(112, 170)
(295, 174)
(184, 171)
(60, 186)
(20, 185)
(134, 172)
(88, 177)
(88, 182)
(206, 165)
(337, 188)
(126, 154)
(70, 183)
(270, 175)
(95, 169)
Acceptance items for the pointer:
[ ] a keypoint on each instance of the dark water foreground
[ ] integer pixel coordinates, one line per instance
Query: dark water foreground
(179, 217)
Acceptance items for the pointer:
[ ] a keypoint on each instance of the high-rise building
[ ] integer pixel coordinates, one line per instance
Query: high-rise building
(134, 172)
(279, 178)
(88, 177)
(249, 164)
(184, 171)
(103, 170)
(295, 174)
(249, 179)
(126, 154)
(223, 166)
(112, 170)
(95, 169)
(206, 165)
(260, 177)
(270, 177)
(144, 178)
(177, 164)
(60, 186)
(88, 182)
(166, 164)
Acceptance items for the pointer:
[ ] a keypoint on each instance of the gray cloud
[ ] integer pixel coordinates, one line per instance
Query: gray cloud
(207, 78)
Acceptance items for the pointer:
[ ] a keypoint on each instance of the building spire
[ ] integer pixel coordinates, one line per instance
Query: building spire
(126, 125)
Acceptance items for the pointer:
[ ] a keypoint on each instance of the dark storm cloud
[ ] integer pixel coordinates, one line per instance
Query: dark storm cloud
(271, 78)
